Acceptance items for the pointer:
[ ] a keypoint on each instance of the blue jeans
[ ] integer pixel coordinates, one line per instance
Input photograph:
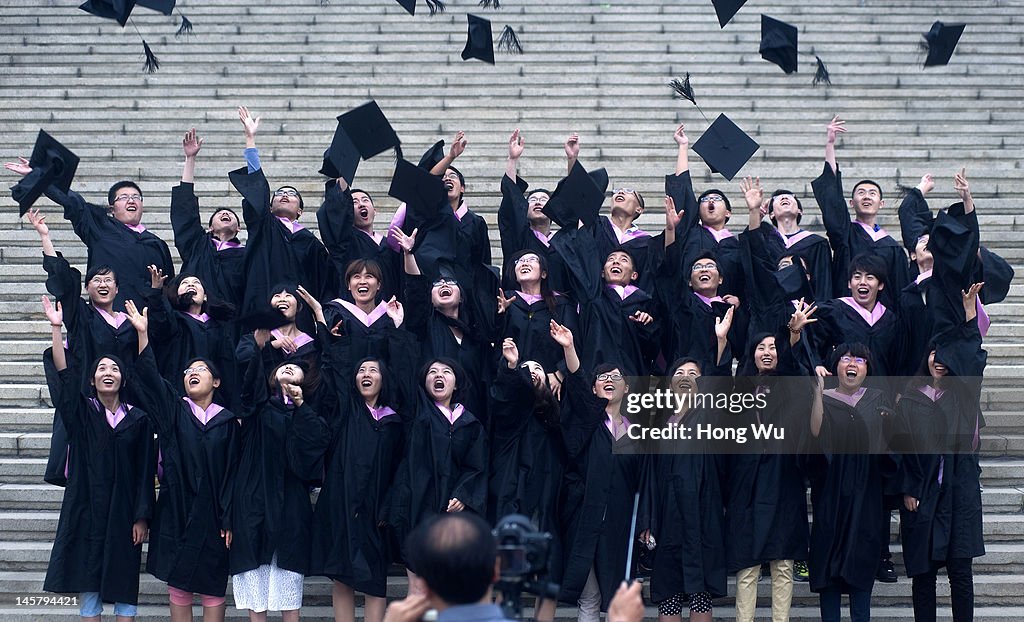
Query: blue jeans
(91, 606)
(831, 600)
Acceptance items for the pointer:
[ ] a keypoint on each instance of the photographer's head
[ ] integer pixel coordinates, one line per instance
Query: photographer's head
(455, 556)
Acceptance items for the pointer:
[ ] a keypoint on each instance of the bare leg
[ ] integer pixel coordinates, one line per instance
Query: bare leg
(257, 617)
(213, 614)
(544, 610)
(373, 608)
(344, 601)
(673, 618)
(701, 617)
(292, 615)
(181, 613)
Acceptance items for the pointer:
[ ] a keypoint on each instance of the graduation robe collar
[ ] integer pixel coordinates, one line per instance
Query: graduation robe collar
(379, 412)
(870, 317)
(203, 416)
(292, 226)
(794, 238)
(632, 233)
(366, 319)
(876, 233)
(451, 415)
(139, 228)
(113, 418)
(544, 239)
(931, 392)
(219, 245)
(707, 301)
(299, 340)
(850, 400)
(719, 235)
(202, 318)
(376, 236)
(924, 276)
(114, 320)
(617, 431)
(623, 292)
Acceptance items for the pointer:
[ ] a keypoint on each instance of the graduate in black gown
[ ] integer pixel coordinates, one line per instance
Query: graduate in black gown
(444, 468)
(522, 223)
(282, 446)
(278, 247)
(199, 444)
(937, 433)
(213, 254)
(345, 220)
(848, 480)
(599, 484)
(108, 500)
(850, 238)
(290, 340)
(527, 452)
(525, 314)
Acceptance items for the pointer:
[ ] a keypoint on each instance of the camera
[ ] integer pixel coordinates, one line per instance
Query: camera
(523, 553)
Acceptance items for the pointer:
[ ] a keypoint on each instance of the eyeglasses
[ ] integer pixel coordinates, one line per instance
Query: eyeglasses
(127, 197)
(538, 198)
(711, 197)
(101, 280)
(197, 369)
(846, 360)
(285, 193)
(527, 259)
(443, 281)
(624, 191)
(697, 267)
(606, 377)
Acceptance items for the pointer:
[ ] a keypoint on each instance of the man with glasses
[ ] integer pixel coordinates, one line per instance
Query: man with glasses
(279, 250)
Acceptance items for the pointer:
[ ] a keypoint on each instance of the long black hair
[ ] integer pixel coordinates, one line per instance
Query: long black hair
(217, 309)
(546, 292)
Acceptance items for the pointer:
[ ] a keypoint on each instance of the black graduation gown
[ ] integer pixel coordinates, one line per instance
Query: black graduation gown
(274, 254)
(596, 505)
(765, 499)
(282, 449)
(350, 544)
(645, 250)
(847, 483)
(345, 243)
(307, 354)
(839, 323)
(849, 239)
(221, 271)
(812, 247)
(607, 333)
(474, 242)
(688, 518)
(109, 488)
(442, 461)
(516, 235)
(697, 239)
(198, 464)
(113, 244)
(530, 326)
(361, 340)
(939, 462)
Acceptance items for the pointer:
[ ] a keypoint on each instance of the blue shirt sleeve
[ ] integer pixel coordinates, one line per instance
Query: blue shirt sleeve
(252, 159)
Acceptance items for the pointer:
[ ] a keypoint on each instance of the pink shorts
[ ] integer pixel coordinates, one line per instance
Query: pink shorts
(184, 599)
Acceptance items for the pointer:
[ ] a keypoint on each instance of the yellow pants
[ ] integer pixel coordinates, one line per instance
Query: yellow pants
(782, 591)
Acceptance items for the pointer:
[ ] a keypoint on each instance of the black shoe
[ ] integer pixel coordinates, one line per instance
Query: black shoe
(801, 573)
(886, 572)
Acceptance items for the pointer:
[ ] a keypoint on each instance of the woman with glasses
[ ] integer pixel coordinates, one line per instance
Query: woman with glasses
(199, 442)
(278, 247)
(848, 481)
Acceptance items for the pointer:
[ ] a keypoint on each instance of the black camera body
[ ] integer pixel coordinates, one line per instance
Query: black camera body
(523, 554)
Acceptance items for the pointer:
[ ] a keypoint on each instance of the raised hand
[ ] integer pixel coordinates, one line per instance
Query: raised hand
(38, 222)
(680, 136)
(156, 276)
(249, 123)
(515, 145)
(503, 302)
(927, 183)
(20, 167)
(963, 189)
(561, 334)
(802, 316)
(672, 217)
(752, 192)
(640, 317)
(191, 144)
(396, 312)
(313, 304)
(406, 242)
(572, 146)
(139, 320)
(293, 392)
(724, 323)
(510, 351)
(261, 336)
(970, 299)
(835, 126)
(458, 145)
(55, 315)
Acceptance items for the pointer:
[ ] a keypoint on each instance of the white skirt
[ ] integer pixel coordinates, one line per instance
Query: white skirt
(268, 588)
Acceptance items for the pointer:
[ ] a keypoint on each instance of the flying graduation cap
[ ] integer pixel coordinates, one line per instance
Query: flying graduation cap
(362, 132)
(778, 43)
(121, 11)
(435, 6)
(725, 147)
(480, 43)
(578, 197)
(52, 164)
(941, 40)
(726, 9)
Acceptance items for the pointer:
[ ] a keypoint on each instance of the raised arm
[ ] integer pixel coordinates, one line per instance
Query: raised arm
(572, 150)
(963, 190)
(836, 126)
(515, 151)
(457, 149)
(38, 222)
(683, 157)
(563, 337)
(753, 194)
(191, 145)
(250, 125)
(55, 315)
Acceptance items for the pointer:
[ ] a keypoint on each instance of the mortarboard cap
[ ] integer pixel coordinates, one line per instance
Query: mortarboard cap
(725, 9)
(118, 10)
(163, 6)
(479, 42)
(264, 316)
(577, 197)
(942, 40)
(432, 156)
(52, 164)
(341, 159)
(409, 6)
(725, 147)
(600, 177)
(778, 43)
(369, 130)
(417, 188)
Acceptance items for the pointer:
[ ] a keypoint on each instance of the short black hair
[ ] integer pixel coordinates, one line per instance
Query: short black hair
(679, 362)
(869, 263)
(538, 190)
(210, 366)
(455, 555)
(458, 173)
(355, 190)
(725, 199)
(771, 205)
(209, 223)
(124, 183)
(858, 350)
(460, 373)
(604, 368)
(100, 269)
(867, 181)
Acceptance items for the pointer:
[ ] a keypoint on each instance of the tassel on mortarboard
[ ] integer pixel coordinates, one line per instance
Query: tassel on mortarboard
(491, 4)
(682, 89)
(821, 74)
(435, 6)
(152, 63)
(508, 42)
(185, 28)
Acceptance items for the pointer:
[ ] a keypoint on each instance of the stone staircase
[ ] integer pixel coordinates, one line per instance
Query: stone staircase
(597, 68)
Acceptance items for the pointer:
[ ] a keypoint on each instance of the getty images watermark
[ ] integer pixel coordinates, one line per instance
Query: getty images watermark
(793, 415)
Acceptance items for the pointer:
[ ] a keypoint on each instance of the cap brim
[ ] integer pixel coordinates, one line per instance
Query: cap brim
(576, 198)
(432, 156)
(417, 188)
(943, 43)
(369, 130)
(725, 147)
